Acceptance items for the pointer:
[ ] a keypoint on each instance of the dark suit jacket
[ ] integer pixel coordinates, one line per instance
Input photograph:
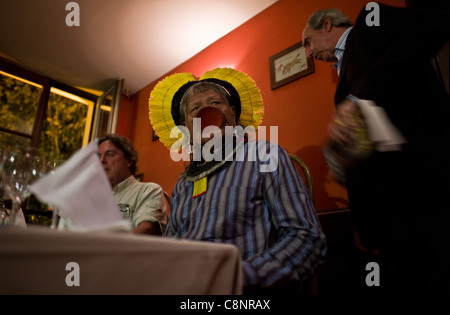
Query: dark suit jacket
(390, 64)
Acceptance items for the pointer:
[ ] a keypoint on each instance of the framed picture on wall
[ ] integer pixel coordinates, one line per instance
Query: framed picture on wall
(289, 65)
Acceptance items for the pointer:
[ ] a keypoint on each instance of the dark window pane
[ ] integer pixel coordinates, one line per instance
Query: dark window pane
(19, 101)
(65, 128)
(11, 141)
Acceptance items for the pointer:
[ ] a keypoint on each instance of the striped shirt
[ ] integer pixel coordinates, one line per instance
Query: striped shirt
(340, 47)
(267, 215)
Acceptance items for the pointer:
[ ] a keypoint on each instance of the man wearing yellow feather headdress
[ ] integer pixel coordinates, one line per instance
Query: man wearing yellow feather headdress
(239, 191)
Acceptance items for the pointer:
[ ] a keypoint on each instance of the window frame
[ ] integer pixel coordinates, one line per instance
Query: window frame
(46, 83)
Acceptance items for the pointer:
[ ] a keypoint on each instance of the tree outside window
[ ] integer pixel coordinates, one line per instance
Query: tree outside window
(65, 129)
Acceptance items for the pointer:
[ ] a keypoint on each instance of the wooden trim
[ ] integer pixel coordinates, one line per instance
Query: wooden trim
(332, 211)
(47, 83)
(14, 132)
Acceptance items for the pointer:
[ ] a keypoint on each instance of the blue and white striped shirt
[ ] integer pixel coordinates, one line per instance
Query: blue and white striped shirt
(340, 47)
(267, 215)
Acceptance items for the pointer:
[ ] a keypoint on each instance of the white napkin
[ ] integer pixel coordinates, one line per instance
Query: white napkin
(82, 192)
(382, 131)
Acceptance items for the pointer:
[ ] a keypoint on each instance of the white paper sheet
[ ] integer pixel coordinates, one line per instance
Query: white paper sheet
(382, 131)
(81, 191)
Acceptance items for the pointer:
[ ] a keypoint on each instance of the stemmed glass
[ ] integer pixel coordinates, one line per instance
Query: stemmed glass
(3, 212)
(20, 170)
(51, 166)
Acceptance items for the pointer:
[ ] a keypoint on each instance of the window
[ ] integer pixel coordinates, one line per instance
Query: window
(53, 119)
(67, 125)
(19, 100)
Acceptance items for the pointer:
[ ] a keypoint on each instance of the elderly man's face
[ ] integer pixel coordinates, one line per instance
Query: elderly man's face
(319, 44)
(208, 98)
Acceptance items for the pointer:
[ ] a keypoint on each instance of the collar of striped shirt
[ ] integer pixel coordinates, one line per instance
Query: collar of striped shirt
(339, 49)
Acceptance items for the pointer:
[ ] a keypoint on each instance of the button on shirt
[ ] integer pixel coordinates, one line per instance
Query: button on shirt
(145, 202)
(267, 215)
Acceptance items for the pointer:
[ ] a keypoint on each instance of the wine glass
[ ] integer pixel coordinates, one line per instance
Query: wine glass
(2, 159)
(3, 213)
(20, 170)
(51, 166)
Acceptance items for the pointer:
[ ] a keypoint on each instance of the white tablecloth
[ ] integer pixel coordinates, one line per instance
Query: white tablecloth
(33, 261)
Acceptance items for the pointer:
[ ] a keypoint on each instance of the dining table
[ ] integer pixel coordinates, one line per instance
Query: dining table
(39, 260)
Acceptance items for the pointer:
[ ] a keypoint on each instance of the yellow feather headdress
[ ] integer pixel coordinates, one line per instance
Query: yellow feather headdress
(164, 99)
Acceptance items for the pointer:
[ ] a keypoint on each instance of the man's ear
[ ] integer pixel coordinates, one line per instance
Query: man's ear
(327, 24)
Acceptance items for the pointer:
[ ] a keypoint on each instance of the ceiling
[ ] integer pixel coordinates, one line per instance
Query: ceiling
(135, 40)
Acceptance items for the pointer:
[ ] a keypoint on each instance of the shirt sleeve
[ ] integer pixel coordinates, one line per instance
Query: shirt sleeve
(300, 244)
(151, 206)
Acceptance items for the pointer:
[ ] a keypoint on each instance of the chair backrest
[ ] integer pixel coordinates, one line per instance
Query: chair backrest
(306, 174)
(166, 195)
(309, 286)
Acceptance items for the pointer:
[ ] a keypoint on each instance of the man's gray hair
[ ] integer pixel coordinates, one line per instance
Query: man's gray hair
(338, 19)
(201, 87)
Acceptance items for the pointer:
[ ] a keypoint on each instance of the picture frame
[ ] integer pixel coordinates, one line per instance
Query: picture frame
(289, 65)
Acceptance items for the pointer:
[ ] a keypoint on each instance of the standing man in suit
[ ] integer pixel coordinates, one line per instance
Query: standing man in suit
(398, 192)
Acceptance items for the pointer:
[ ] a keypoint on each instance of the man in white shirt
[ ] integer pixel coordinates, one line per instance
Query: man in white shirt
(143, 204)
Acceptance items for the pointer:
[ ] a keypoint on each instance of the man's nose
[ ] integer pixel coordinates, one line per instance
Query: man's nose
(308, 51)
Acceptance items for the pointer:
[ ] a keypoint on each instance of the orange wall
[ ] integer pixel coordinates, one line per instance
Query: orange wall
(300, 109)
(125, 122)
